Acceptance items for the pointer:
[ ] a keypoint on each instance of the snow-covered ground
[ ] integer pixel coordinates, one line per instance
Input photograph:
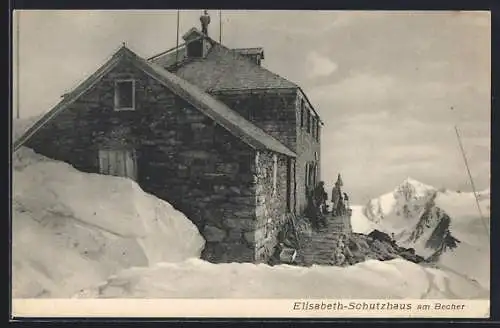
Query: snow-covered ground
(370, 280)
(472, 256)
(71, 230)
(87, 235)
(386, 213)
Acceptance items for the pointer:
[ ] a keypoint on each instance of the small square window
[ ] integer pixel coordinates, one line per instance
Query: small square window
(125, 95)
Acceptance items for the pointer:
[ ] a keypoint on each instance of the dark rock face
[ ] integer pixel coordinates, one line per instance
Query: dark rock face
(436, 219)
(377, 246)
(380, 236)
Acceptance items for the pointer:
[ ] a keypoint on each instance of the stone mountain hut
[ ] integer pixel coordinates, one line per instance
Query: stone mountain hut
(207, 128)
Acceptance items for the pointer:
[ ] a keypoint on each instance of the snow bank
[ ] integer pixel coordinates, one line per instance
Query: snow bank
(359, 222)
(72, 230)
(395, 279)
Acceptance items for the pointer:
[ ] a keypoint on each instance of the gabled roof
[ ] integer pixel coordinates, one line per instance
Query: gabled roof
(218, 111)
(170, 57)
(225, 69)
(222, 68)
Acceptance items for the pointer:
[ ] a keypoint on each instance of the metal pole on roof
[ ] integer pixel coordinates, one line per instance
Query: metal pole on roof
(177, 40)
(17, 64)
(220, 26)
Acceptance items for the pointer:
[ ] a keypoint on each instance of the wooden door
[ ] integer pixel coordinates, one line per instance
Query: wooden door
(120, 163)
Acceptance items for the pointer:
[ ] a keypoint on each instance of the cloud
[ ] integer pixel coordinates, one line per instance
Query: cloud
(355, 89)
(319, 65)
(375, 151)
(385, 104)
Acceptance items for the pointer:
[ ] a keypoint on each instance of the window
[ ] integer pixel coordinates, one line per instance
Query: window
(308, 121)
(125, 95)
(120, 163)
(313, 126)
(195, 49)
(302, 113)
(315, 174)
(307, 175)
(318, 127)
(275, 173)
(289, 195)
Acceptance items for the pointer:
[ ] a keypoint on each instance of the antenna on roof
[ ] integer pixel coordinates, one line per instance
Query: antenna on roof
(177, 40)
(17, 64)
(220, 26)
(471, 180)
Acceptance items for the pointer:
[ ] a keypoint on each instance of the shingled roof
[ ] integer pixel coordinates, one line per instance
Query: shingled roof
(222, 69)
(218, 111)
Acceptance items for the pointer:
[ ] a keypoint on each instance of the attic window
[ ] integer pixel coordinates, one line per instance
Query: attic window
(125, 95)
(195, 49)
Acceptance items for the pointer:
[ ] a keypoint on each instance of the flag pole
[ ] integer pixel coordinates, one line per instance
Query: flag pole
(464, 156)
(220, 26)
(17, 65)
(177, 39)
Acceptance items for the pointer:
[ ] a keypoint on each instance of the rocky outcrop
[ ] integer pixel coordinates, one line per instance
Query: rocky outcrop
(378, 245)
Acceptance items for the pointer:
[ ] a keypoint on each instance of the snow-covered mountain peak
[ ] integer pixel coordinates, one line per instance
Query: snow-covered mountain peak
(411, 189)
(441, 225)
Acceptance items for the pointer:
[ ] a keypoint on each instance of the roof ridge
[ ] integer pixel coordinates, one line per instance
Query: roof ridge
(222, 114)
(285, 150)
(242, 57)
(166, 52)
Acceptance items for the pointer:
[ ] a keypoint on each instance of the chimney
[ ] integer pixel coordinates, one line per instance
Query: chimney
(205, 21)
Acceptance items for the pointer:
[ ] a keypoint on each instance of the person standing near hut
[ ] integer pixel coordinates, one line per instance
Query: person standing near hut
(205, 20)
(336, 196)
(320, 196)
(346, 200)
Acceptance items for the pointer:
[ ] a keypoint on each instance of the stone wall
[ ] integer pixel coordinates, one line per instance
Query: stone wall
(272, 190)
(183, 157)
(271, 110)
(278, 112)
(307, 149)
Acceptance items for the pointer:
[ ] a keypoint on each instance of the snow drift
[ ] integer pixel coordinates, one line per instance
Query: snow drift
(72, 230)
(89, 235)
(441, 224)
(396, 279)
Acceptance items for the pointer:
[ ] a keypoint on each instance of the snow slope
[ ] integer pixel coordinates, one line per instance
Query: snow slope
(472, 256)
(89, 235)
(395, 279)
(429, 221)
(71, 230)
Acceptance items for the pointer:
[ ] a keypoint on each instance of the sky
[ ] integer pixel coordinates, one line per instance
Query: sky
(389, 86)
